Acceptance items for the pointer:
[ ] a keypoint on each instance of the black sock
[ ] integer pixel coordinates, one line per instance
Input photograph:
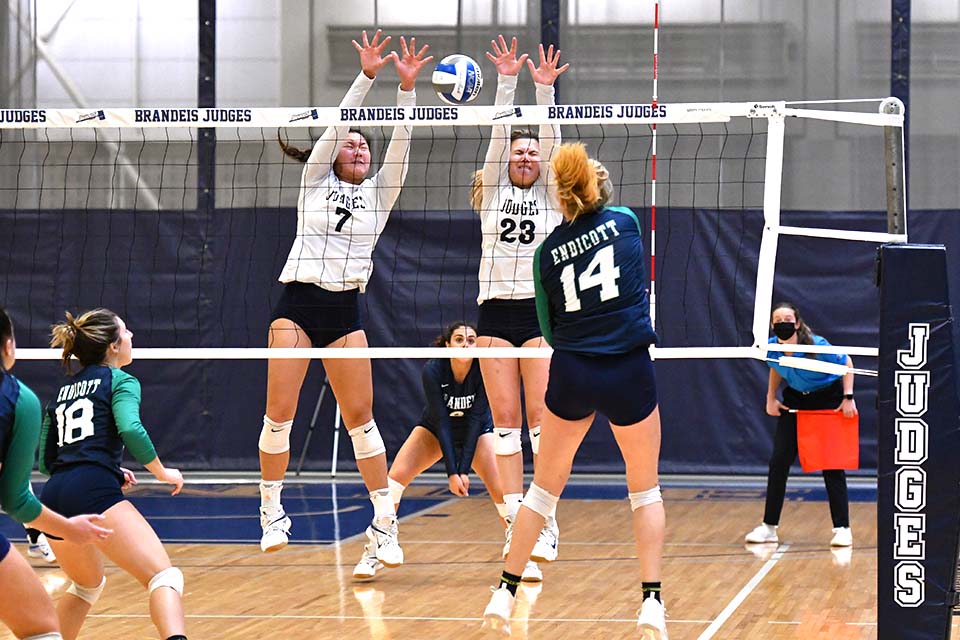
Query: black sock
(511, 581)
(651, 590)
(32, 535)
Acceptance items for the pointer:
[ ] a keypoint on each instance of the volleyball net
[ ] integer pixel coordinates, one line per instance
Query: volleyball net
(181, 219)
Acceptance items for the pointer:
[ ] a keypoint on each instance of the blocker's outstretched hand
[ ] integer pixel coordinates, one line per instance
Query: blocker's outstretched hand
(548, 71)
(371, 58)
(410, 62)
(504, 59)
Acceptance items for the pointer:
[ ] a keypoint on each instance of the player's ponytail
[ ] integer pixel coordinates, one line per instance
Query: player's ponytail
(86, 337)
(299, 155)
(476, 190)
(576, 177)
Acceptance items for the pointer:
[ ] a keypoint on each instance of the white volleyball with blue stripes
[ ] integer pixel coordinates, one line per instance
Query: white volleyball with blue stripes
(457, 79)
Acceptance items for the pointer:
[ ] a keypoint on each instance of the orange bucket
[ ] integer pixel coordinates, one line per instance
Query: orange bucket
(828, 440)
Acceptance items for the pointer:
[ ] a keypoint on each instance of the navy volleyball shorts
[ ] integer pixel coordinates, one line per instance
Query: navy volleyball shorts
(82, 488)
(620, 386)
(4, 547)
(512, 320)
(325, 316)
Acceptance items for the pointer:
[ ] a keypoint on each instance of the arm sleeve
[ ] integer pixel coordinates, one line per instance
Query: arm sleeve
(496, 161)
(328, 146)
(126, 412)
(15, 495)
(543, 303)
(479, 417)
(549, 142)
(431, 388)
(389, 180)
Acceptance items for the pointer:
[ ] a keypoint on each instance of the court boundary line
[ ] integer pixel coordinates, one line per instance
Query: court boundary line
(741, 596)
(252, 616)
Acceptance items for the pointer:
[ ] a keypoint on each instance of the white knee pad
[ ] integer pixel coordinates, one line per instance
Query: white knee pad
(507, 441)
(396, 489)
(275, 436)
(643, 498)
(171, 578)
(53, 635)
(535, 439)
(540, 500)
(90, 595)
(367, 441)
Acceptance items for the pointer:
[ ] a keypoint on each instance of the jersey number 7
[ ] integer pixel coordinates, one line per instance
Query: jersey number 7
(601, 272)
(346, 213)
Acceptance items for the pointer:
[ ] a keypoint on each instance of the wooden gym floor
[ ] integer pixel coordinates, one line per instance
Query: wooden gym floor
(714, 585)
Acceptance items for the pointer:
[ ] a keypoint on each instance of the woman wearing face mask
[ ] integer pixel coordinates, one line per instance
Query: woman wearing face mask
(804, 390)
(455, 427)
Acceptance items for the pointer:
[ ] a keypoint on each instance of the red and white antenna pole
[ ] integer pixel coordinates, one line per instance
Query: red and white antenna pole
(653, 171)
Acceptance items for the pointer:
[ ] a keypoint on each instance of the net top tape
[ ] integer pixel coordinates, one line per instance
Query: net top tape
(650, 114)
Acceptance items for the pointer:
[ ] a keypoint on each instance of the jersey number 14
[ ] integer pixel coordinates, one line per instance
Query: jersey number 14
(601, 272)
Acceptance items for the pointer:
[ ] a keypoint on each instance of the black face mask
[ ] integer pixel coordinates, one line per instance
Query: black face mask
(784, 330)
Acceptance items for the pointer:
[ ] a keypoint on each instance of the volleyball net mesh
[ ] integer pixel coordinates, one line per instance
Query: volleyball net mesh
(181, 219)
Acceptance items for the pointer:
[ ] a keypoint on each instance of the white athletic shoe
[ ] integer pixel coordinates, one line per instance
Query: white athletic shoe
(508, 534)
(531, 572)
(496, 617)
(368, 566)
(545, 550)
(276, 531)
(41, 549)
(385, 543)
(763, 533)
(652, 620)
(842, 537)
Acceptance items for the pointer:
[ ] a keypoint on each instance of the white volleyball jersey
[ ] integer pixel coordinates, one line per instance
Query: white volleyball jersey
(339, 223)
(515, 221)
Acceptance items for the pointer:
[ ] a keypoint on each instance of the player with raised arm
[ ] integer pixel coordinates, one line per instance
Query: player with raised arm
(514, 198)
(340, 215)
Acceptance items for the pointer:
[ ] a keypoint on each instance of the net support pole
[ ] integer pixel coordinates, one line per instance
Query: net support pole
(895, 170)
(773, 174)
(918, 436)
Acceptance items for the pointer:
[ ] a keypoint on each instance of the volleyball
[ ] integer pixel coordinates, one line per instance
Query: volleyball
(457, 79)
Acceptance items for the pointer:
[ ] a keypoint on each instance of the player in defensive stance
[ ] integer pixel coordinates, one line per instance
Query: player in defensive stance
(95, 415)
(340, 215)
(25, 606)
(514, 198)
(593, 306)
(455, 427)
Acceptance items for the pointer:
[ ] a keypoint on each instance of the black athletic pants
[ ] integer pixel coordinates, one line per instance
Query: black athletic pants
(785, 453)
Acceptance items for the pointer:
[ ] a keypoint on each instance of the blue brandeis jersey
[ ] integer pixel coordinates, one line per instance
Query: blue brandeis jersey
(19, 432)
(455, 411)
(591, 283)
(95, 414)
(801, 379)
